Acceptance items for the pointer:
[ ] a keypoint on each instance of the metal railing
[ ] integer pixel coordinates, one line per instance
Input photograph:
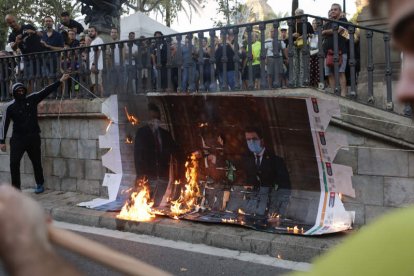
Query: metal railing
(217, 59)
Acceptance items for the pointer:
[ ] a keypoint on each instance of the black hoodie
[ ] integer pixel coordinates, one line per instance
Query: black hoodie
(23, 113)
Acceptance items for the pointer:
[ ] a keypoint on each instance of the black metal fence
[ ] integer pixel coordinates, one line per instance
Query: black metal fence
(254, 56)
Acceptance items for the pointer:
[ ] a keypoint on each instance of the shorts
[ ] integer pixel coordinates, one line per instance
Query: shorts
(271, 66)
(256, 71)
(342, 67)
(93, 78)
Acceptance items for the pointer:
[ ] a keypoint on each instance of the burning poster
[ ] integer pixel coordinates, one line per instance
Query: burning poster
(260, 162)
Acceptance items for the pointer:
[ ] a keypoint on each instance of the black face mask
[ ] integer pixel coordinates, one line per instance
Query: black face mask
(19, 96)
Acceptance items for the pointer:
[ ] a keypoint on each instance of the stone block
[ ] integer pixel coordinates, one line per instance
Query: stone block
(52, 147)
(398, 192)
(78, 215)
(69, 184)
(94, 170)
(84, 129)
(53, 183)
(47, 164)
(97, 127)
(5, 177)
(90, 187)
(76, 168)
(354, 139)
(359, 212)
(260, 243)
(228, 237)
(27, 181)
(87, 149)
(69, 148)
(373, 212)
(382, 162)
(4, 163)
(60, 167)
(74, 128)
(348, 158)
(411, 165)
(368, 190)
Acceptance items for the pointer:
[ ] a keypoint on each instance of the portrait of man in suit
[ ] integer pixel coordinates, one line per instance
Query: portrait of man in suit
(154, 150)
(263, 167)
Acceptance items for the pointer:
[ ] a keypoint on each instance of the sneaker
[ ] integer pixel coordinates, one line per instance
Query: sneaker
(39, 189)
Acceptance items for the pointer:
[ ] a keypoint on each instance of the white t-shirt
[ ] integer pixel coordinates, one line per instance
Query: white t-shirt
(96, 41)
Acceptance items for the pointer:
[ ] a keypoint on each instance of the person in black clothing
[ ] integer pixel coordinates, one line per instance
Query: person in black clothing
(23, 37)
(160, 45)
(154, 149)
(69, 23)
(263, 168)
(231, 74)
(25, 138)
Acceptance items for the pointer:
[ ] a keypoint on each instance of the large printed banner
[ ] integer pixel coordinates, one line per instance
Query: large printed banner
(260, 162)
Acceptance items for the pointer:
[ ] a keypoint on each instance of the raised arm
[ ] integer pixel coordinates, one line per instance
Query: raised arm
(42, 94)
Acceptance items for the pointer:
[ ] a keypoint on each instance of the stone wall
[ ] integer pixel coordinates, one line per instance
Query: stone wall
(383, 179)
(70, 152)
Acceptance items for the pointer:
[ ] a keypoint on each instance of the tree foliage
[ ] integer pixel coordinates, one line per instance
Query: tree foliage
(232, 11)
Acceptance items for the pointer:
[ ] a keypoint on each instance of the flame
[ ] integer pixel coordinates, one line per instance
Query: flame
(279, 256)
(138, 207)
(296, 230)
(273, 216)
(131, 118)
(241, 212)
(128, 140)
(340, 196)
(108, 126)
(188, 198)
(203, 125)
(230, 220)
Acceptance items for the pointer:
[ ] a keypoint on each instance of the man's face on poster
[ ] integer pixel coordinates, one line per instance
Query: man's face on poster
(254, 142)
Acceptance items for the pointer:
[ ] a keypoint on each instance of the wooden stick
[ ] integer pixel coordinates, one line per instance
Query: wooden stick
(101, 253)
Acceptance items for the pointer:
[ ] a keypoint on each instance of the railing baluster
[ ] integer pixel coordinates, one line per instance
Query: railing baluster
(213, 82)
(224, 60)
(190, 65)
(250, 84)
(236, 59)
(179, 62)
(335, 28)
(263, 81)
(370, 68)
(138, 70)
(169, 66)
(158, 63)
(388, 71)
(200, 60)
(321, 55)
(3, 68)
(352, 60)
(276, 56)
(305, 53)
(290, 54)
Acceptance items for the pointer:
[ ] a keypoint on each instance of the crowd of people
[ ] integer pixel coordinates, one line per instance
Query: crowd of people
(194, 64)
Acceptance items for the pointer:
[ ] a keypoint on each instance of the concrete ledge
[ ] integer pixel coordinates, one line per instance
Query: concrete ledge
(62, 207)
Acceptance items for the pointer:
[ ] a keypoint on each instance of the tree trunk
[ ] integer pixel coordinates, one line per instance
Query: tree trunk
(295, 5)
(168, 14)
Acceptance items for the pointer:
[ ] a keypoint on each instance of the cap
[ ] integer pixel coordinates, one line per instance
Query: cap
(17, 86)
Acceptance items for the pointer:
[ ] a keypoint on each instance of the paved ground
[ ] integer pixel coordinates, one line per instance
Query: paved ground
(178, 258)
(62, 207)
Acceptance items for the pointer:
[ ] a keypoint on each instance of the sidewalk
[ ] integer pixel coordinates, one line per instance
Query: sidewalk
(62, 207)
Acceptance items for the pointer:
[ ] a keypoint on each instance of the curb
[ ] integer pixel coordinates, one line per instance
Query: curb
(62, 207)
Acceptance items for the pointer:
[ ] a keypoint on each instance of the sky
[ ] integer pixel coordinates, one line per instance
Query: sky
(203, 20)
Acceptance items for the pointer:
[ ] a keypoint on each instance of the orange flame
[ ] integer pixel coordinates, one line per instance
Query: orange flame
(203, 125)
(131, 118)
(230, 220)
(128, 140)
(296, 230)
(340, 196)
(241, 212)
(108, 126)
(279, 256)
(138, 207)
(188, 198)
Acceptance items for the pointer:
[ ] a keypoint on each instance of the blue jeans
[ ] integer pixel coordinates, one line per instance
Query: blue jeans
(186, 79)
(231, 79)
